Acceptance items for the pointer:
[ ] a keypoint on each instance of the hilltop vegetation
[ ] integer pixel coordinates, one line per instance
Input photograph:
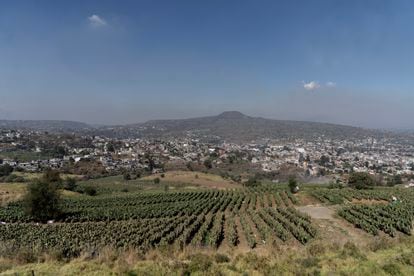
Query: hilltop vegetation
(229, 126)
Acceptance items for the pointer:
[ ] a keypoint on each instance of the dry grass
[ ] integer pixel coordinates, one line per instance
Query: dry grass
(11, 192)
(319, 258)
(198, 179)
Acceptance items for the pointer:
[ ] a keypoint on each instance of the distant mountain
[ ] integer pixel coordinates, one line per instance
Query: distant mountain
(45, 125)
(237, 127)
(231, 126)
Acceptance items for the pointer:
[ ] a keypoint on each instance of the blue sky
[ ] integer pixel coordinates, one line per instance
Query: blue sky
(349, 62)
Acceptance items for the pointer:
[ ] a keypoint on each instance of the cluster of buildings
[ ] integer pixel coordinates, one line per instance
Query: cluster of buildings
(315, 158)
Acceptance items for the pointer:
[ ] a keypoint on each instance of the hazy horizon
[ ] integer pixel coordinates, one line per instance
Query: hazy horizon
(107, 62)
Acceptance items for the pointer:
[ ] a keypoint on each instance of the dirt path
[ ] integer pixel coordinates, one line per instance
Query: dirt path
(272, 200)
(242, 238)
(333, 228)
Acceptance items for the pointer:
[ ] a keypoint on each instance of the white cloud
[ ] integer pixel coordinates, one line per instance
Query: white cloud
(96, 21)
(310, 86)
(330, 84)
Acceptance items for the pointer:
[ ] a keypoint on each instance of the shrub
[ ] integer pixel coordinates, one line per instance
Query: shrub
(91, 191)
(208, 164)
(157, 180)
(199, 262)
(252, 182)
(316, 249)
(293, 184)
(350, 249)
(52, 176)
(42, 200)
(392, 269)
(221, 258)
(5, 170)
(127, 176)
(70, 184)
(361, 180)
(14, 178)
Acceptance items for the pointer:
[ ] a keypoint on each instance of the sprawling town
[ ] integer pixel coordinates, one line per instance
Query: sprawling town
(322, 157)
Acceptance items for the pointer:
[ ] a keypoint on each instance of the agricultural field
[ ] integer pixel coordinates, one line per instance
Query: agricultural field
(387, 210)
(145, 221)
(265, 220)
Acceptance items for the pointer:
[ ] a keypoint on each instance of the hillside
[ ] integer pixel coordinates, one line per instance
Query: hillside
(231, 126)
(237, 127)
(45, 125)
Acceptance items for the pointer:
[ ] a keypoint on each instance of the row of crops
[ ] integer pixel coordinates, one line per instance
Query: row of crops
(340, 196)
(155, 205)
(388, 218)
(197, 219)
(391, 209)
(206, 230)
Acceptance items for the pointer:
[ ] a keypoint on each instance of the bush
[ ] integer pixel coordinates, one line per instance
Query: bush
(395, 180)
(5, 170)
(70, 184)
(293, 184)
(200, 263)
(392, 269)
(221, 258)
(252, 182)
(14, 178)
(162, 175)
(52, 176)
(361, 180)
(127, 176)
(208, 164)
(91, 191)
(42, 200)
(157, 180)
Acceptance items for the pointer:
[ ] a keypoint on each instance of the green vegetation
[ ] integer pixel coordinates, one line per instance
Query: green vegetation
(293, 184)
(147, 220)
(5, 170)
(42, 200)
(205, 231)
(361, 180)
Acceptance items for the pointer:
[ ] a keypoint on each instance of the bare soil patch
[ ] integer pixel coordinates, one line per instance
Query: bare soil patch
(317, 212)
(306, 199)
(333, 228)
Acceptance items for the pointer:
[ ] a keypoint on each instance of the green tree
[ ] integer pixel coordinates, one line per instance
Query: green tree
(293, 184)
(395, 180)
(189, 166)
(91, 191)
(208, 164)
(110, 147)
(252, 182)
(42, 200)
(127, 176)
(361, 180)
(52, 176)
(5, 170)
